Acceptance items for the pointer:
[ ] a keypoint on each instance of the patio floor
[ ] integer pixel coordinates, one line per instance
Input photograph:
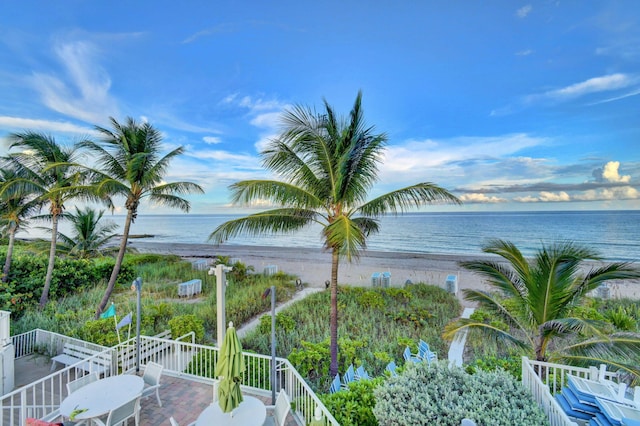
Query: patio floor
(181, 398)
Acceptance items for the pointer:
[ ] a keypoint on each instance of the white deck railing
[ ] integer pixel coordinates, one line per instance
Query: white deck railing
(179, 358)
(545, 379)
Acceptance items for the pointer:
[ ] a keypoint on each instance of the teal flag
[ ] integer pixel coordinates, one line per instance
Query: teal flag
(111, 312)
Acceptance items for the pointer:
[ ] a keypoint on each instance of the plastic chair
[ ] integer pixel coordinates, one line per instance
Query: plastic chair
(80, 382)
(122, 413)
(349, 376)
(279, 411)
(336, 385)
(361, 374)
(391, 368)
(409, 357)
(151, 377)
(467, 422)
(425, 353)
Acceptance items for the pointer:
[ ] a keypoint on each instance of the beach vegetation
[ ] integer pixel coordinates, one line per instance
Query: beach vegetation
(537, 298)
(130, 164)
(353, 406)
(368, 336)
(438, 394)
(184, 324)
(16, 207)
(53, 176)
(328, 165)
(90, 237)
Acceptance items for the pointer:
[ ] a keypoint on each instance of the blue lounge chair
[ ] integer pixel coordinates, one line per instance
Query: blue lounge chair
(336, 385)
(349, 376)
(425, 353)
(361, 374)
(391, 368)
(409, 357)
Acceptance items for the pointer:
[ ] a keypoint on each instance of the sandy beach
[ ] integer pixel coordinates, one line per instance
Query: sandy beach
(313, 266)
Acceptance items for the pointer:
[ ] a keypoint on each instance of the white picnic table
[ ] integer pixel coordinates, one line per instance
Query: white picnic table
(102, 396)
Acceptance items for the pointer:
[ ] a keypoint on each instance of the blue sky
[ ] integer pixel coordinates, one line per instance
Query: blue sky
(510, 105)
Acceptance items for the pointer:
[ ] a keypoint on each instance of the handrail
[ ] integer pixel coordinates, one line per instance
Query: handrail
(191, 333)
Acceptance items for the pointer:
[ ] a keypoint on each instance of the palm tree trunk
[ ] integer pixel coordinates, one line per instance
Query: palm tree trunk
(333, 324)
(7, 262)
(116, 268)
(52, 258)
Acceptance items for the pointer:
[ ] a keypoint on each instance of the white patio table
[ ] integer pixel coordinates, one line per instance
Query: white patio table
(102, 396)
(250, 412)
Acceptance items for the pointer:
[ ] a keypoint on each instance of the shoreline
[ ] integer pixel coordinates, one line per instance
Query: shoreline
(313, 265)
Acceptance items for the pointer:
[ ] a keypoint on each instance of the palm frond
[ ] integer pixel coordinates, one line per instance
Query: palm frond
(405, 198)
(279, 193)
(490, 332)
(271, 221)
(499, 276)
(346, 235)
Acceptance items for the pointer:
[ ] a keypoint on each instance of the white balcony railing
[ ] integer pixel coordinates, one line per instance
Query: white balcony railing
(179, 358)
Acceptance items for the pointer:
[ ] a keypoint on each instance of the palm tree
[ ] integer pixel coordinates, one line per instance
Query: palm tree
(90, 237)
(51, 174)
(536, 299)
(129, 159)
(15, 210)
(329, 165)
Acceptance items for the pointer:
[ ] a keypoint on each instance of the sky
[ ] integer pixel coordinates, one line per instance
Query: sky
(509, 105)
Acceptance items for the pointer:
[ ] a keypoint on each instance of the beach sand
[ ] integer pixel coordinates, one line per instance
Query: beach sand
(313, 266)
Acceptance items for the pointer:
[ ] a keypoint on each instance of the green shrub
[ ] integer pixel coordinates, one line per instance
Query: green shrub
(284, 323)
(425, 395)
(184, 324)
(354, 406)
(622, 320)
(511, 364)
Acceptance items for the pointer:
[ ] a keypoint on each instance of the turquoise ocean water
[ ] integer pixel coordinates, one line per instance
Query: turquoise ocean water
(615, 234)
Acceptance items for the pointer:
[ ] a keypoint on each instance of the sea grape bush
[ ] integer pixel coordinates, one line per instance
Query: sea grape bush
(354, 406)
(184, 324)
(428, 395)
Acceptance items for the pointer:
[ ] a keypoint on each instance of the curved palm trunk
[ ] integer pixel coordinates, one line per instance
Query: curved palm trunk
(333, 324)
(117, 266)
(52, 258)
(7, 262)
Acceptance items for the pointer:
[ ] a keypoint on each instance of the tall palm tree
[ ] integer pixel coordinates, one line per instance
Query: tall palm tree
(51, 173)
(329, 166)
(89, 238)
(129, 159)
(536, 298)
(15, 209)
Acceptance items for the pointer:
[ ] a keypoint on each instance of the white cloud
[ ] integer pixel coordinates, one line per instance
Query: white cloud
(609, 194)
(527, 199)
(524, 11)
(83, 89)
(546, 196)
(270, 120)
(610, 173)
(212, 140)
(592, 85)
(525, 52)
(19, 123)
(481, 198)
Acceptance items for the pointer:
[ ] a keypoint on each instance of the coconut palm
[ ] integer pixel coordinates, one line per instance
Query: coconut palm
(128, 156)
(536, 298)
(15, 209)
(90, 238)
(329, 165)
(51, 174)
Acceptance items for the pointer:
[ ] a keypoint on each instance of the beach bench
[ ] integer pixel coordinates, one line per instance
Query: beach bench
(189, 288)
(150, 350)
(73, 354)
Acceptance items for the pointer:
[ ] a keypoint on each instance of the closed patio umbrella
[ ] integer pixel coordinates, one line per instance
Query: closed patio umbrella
(230, 367)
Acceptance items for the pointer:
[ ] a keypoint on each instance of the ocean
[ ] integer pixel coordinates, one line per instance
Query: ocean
(614, 234)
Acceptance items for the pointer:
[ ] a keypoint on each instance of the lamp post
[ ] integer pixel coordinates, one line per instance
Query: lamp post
(221, 284)
(272, 291)
(137, 283)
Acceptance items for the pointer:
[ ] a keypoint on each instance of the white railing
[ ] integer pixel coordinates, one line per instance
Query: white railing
(182, 359)
(197, 362)
(545, 379)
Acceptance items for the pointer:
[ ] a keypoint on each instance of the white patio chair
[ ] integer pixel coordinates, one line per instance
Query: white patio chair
(151, 377)
(119, 415)
(81, 381)
(467, 422)
(279, 411)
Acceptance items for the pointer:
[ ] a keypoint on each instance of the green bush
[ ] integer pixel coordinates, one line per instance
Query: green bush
(426, 395)
(284, 323)
(511, 364)
(184, 324)
(354, 406)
